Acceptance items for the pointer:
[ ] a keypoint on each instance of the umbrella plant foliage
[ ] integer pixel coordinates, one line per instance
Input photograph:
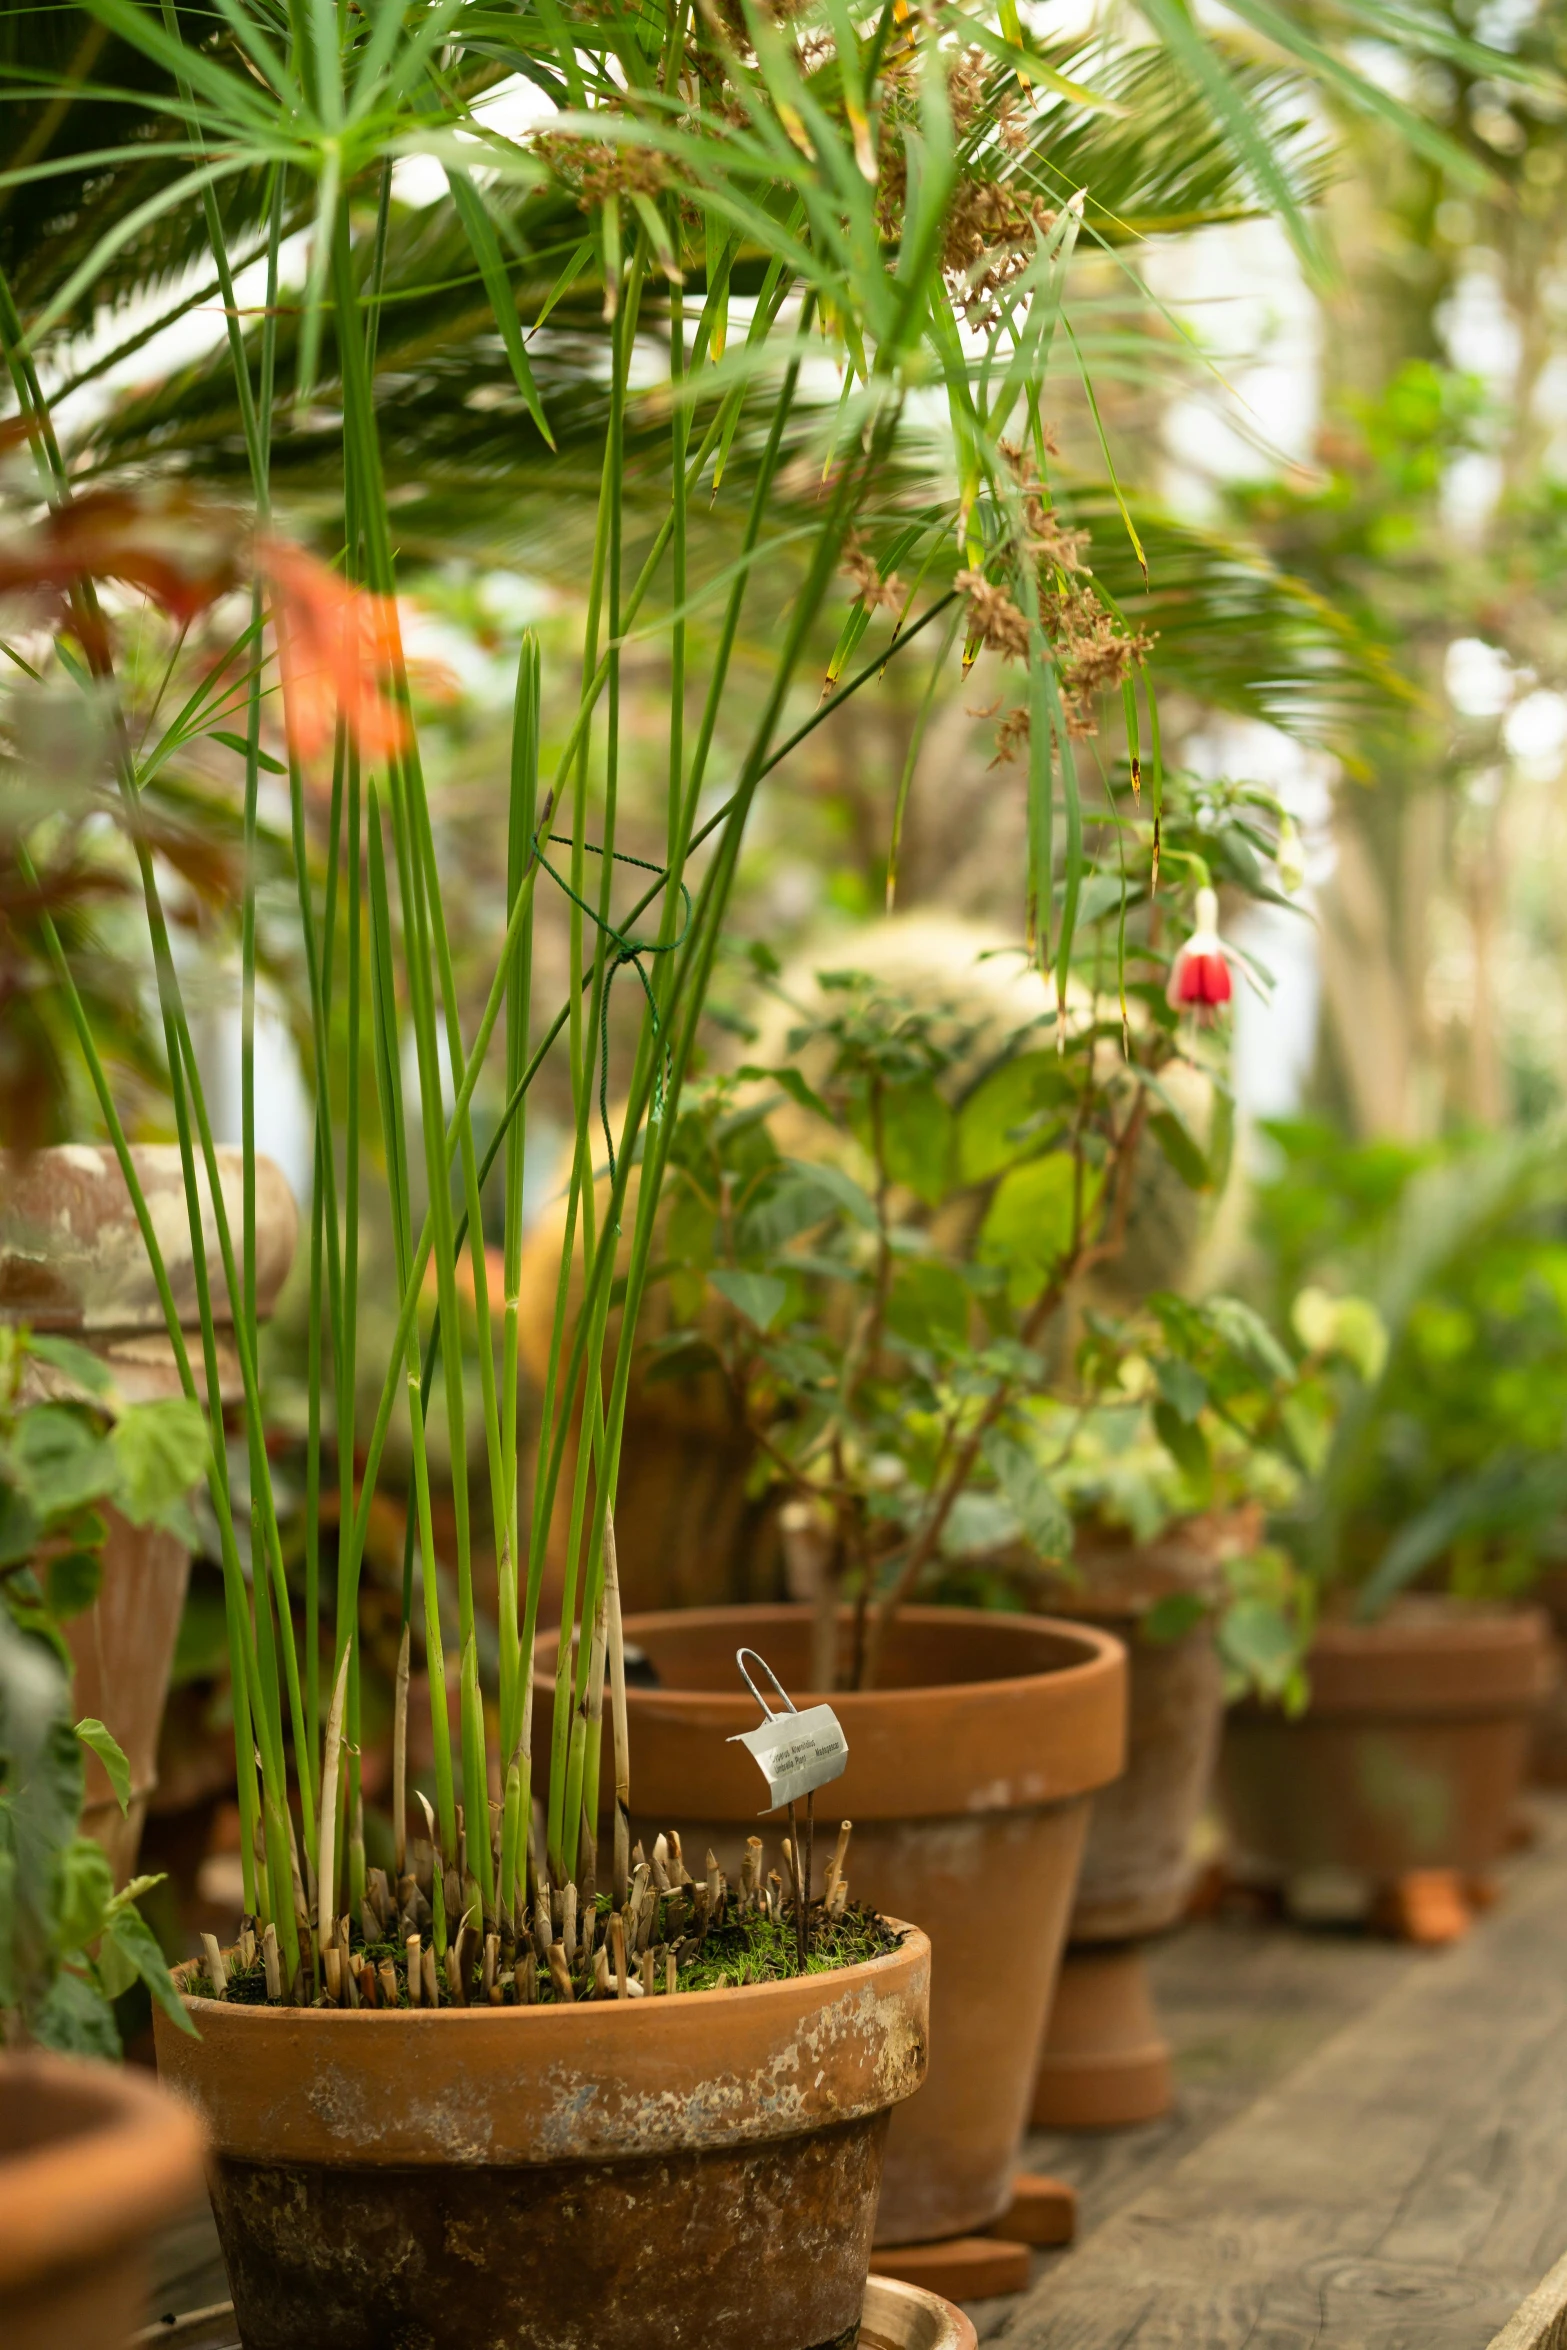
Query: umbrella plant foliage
(749, 191)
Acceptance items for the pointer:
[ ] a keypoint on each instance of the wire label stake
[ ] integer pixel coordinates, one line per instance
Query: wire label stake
(795, 1752)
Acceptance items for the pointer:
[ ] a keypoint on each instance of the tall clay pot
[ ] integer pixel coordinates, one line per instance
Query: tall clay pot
(968, 1781)
(1410, 1756)
(1105, 2062)
(72, 1261)
(699, 2170)
(93, 2160)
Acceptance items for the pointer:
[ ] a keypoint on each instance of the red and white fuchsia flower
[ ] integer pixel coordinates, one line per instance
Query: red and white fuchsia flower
(1200, 974)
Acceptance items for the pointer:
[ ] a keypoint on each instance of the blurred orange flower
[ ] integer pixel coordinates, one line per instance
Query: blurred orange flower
(337, 644)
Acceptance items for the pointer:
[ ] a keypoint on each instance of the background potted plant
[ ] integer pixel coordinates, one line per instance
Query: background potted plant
(72, 1265)
(95, 2158)
(1434, 1509)
(1191, 1423)
(896, 1241)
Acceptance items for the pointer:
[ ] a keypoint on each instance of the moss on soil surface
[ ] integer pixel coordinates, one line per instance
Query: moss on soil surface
(749, 1948)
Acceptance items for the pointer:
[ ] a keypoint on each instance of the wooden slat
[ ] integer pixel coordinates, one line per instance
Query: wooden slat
(1403, 2189)
(1541, 2324)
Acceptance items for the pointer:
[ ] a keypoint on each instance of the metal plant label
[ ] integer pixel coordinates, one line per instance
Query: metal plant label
(795, 1752)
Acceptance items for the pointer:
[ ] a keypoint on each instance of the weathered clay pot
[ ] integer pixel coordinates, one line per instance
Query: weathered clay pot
(71, 1253)
(72, 1261)
(968, 1781)
(93, 2159)
(906, 2317)
(1105, 2063)
(698, 2171)
(1410, 1756)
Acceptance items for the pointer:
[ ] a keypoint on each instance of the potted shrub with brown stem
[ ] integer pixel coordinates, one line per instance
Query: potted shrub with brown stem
(473, 2092)
(895, 1242)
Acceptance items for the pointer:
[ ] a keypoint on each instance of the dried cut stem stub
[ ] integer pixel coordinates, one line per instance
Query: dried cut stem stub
(681, 1934)
(217, 1972)
(835, 1867)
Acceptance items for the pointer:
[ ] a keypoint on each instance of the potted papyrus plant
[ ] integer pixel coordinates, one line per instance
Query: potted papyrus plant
(859, 178)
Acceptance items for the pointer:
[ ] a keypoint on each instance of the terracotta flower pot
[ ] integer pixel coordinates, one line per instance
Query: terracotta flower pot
(93, 2159)
(968, 1782)
(699, 2171)
(906, 2317)
(1409, 1757)
(1105, 2062)
(72, 1261)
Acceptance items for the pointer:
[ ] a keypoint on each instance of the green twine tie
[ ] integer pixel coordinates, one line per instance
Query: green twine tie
(627, 951)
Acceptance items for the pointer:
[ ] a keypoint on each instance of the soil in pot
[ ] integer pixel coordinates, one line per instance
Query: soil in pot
(968, 1780)
(93, 2159)
(1410, 1756)
(698, 2170)
(1105, 2062)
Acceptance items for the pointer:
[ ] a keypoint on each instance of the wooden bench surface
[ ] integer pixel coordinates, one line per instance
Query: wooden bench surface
(1369, 2152)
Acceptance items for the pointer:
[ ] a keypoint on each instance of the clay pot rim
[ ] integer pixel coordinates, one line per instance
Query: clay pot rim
(597, 2081)
(1455, 1624)
(1101, 1660)
(105, 2181)
(911, 1940)
(1434, 1665)
(1042, 1723)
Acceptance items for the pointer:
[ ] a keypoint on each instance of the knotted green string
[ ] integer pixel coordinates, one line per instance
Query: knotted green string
(627, 950)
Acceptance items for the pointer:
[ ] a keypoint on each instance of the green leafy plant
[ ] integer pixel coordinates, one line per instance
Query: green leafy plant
(69, 1444)
(69, 1943)
(1195, 1409)
(1445, 1466)
(901, 1247)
